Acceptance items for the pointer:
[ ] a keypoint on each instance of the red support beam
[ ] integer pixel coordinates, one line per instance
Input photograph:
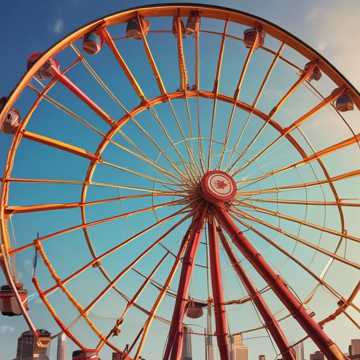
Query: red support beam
(218, 292)
(79, 93)
(265, 312)
(280, 288)
(175, 337)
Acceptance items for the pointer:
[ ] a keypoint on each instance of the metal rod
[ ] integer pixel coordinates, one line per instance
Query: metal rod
(264, 310)
(175, 338)
(281, 289)
(222, 334)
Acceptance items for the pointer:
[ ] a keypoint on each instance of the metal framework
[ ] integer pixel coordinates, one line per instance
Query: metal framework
(184, 180)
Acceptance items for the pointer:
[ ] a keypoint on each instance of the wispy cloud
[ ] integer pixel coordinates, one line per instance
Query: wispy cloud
(58, 26)
(5, 329)
(333, 28)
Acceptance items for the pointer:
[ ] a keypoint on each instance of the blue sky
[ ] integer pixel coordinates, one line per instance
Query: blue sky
(320, 23)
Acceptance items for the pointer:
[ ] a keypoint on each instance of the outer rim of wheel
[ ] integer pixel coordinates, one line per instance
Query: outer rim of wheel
(122, 16)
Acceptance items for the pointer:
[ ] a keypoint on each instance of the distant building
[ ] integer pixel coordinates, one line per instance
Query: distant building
(354, 349)
(299, 351)
(187, 350)
(28, 347)
(239, 351)
(209, 350)
(317, 355)
(61, 347)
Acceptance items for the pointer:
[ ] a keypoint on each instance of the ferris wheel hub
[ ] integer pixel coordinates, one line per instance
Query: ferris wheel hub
(218, 187)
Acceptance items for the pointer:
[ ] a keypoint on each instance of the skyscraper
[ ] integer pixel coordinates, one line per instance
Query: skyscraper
(209, 350)
(317, 355)
(61, 346)
(354, 349)
(299, 351)
(29, 348)
(187, 350)
(239, 351)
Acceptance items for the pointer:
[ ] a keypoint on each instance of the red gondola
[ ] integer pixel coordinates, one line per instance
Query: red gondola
(8, 302)
(133, 28)
(315, 70)
(47, 70)
(254, 34)
(11, 121)
(86, 354)
(344, 103)
(120, 356)
(93, 42)
(195, 309)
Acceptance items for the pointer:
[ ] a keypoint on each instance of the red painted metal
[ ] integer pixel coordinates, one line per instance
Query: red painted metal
(280, 288)
(265, 312)
(78, 92)
(218, 292)
(217, 185)
(175, 337)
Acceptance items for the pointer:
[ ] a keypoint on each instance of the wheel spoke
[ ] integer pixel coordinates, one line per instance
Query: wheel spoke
(330, 180)
(159, 299)
(300, 240)
(93, 223)
(297, 123)
(254, 104)
(117, 327)
(132, 263)
(215, 91)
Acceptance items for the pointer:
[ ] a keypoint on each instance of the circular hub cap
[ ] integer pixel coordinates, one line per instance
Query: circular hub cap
(217, 187)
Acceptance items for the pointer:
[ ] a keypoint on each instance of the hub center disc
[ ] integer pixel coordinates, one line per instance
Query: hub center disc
(218, 187)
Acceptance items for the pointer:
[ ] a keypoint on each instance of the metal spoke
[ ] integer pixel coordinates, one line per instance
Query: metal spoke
(15, 209)
(306, 160)
(280, 288)
(117, 327)
(253, 105)
(319, 279)
(237, 95)
(92, 223)
(330, 180)
(97, 259)
(298, 239)
(162, 293)
(271, 323)
(300, 221)
(297, 123)
(197, 88)
(133, 262)
(215, 91)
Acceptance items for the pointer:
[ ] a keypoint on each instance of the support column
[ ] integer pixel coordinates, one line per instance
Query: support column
(265, 312)
(280, 288)
(175, 337)
(218, 292)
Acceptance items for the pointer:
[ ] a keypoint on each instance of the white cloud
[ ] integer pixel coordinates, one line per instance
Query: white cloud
(333, 28)
(58, 26)
(4, 329)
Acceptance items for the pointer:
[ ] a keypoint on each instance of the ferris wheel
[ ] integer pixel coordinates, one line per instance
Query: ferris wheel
(188, 168)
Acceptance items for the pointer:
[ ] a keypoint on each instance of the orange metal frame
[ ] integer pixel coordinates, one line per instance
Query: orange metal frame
(191, 241)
